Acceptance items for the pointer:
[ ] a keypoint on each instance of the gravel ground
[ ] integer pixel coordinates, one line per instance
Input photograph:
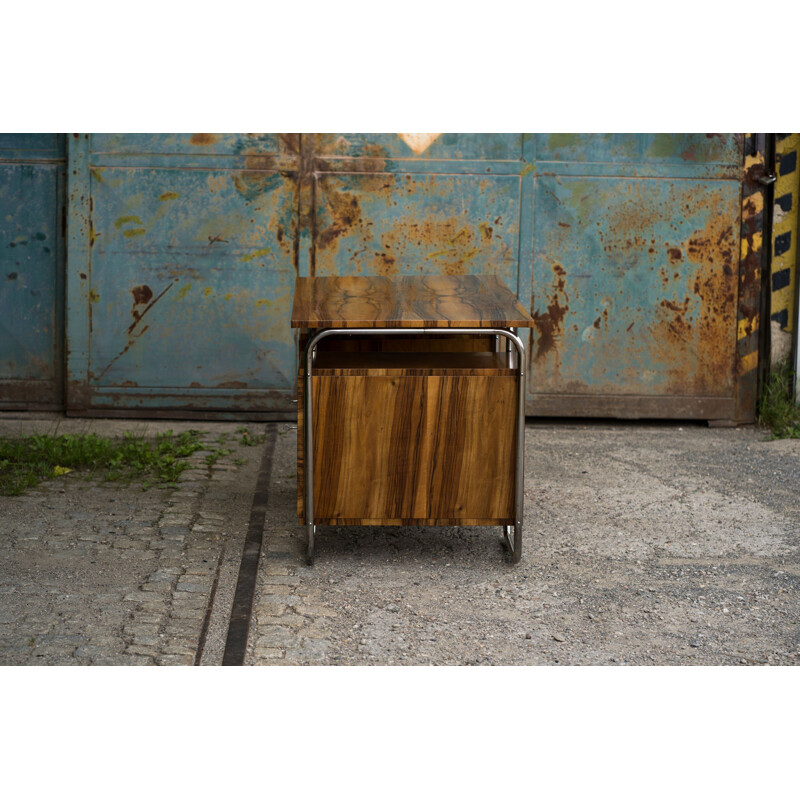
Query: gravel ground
(95, 573)
(644, 544)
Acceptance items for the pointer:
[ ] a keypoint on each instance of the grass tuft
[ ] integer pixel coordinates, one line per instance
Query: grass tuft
(776, 408)
(28, 461)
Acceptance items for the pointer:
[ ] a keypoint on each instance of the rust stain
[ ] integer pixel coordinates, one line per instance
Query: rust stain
(345, 213)
(675, 254)
(143, 301)
(231, 385)
(693, 332)
(137, 312)
(203, 139)
(289, 142)
(142, 295)
(754, 169)
(260, 161)
(549, 325)
(217, 238)
(384, 263)
(486, 231)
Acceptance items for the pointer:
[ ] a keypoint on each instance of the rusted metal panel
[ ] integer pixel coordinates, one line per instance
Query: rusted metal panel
(31, 270)
(184, 248)
(189, 271)
(385, 224)
(416, 146)
(634, 288)
(721, 149)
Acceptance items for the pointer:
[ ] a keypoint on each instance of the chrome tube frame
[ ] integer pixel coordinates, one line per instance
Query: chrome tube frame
(510, 335)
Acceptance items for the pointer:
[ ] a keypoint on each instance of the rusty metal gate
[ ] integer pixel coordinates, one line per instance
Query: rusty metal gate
(31, 270)
(182, 253)
(638, 255)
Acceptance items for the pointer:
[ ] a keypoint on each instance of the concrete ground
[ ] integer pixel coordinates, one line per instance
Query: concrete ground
(644, 544)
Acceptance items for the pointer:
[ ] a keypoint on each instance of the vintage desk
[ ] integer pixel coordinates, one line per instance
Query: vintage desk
(411, 396)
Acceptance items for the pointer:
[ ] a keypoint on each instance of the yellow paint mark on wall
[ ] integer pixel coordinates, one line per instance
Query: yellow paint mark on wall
(120, 221)
(169, 196)
(256, 254)
(229, 295)
(751, 161)
(134, 232)
(749, 362)
(755, 247)
(754, 204)
(747, 326)
(264, 302)
(183, 291)
(94, 296)
(207, 291)
(527, 169)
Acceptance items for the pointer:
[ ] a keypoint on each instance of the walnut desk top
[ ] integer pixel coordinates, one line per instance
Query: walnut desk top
(418, 301)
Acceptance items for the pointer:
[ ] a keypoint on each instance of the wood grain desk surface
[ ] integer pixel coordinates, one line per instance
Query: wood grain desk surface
(419, 301)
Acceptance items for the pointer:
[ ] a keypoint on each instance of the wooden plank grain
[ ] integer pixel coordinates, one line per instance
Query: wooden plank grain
(435, 450)
(472, 424)
(420, 301)
(369, 451)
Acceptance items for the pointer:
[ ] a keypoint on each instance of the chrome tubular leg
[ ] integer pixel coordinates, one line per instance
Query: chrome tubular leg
(310, 530)
(308, 439)
(507, 539)
(519, 493)
(517, 359)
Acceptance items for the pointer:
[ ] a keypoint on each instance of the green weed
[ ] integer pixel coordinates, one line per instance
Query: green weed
(776, 409)
(215, 455)
(249, 439)
(28, 461)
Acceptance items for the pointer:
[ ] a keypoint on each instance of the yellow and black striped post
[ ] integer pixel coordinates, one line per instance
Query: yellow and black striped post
(783, 275)
(750, 258)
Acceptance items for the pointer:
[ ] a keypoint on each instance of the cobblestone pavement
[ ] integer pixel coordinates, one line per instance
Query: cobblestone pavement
(101, 573)
(644, 544)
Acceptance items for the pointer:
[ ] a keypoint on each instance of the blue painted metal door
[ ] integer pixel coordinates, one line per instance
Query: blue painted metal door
(626, 246)
(635, 277)
(31, 270)
(181, 272)
(184, 248)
